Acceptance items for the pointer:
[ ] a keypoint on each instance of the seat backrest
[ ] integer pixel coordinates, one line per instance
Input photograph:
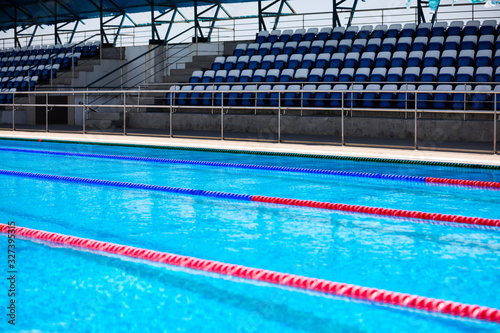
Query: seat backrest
(305, 43)
(310, 57)
(375, 41)
(319, 71)
(430, 70)
(332, 71)
(318, 43)
(368, 55)
(412, 71)
(324, 87)
(282, 57)
(340, 87)
(390, 40)
(199, 88)
(483, 88)
(265, 87)
(363, 71)
(484, 53)
(448, 70)
(449, 54)
(338, 56)
(465, 70)
(462, 87)
(395, 70)
(301, 73)
(485, 70)
(220, 60)
(246, 73)
(384, 55)
(288, 72)
(391, 87)
(251, 87)
(221, 73)
(273, 72)
(234, 73)
(444, 87)
(260, 72)
(347, 71)
(380, 71)
(425, 87)
(269, 58)
(256, 58)
(466, 54)
(470, 39)
(416, 55)
(432, 54)
(400, 55)
(372, 87)
(352, 56)
(296, 57)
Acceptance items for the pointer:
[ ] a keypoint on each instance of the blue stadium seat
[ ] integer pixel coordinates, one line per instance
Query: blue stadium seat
(230, 63)
(234, 97)
(267, 62)
(429, 74)
(351, 60)
(358, 45)
(254, 62)
(264, 49)
(409, 30)
(220, 76)
(274, 36)
(344, 46)
(308, 95)
(246, 75)
(336, 95)
(367, 60)
(373, 45)
(301, 75)
(379, 31)
(488, 27)
(233, 75)
(439, 28)
(469, 43)
(436, 43)
(290, 48)
(411, 74)
(431, 59)
(455, 28)
(298, 35)
(281, 61)
(309, 60)
(388, 44)
(383, 59)
(365, 32)
(338, 33)
(263, 95)
(452, 43)
(221, 94)
(353, 99)
(242, 62)
(370, 96)
(362, 74)
(331, 75)
(259, 75)
(399, 59)
(241, 49)
(276, 92)
(218, 63)
(424, 96)
(286, 35)
(471, 28)
(484, 58)
(424, 29)
(482, 99)
(337, 60)
(496, 77)
(196, 93)
(322, 95)
(346, 75)
(351, 32)
(378, 74)
(295, 61)
(420, 44)
(394, 74)
(317, 46)
(447, 74)
(208, 76)
(449, 58)
(331, 46)
(287, 75)
(387, 96)
(248, 96)
(459, 100)
(483, 74)
(262, 37)
(404, 43)
(311, 33)
(316, 75)
(465, 74)
(303, 47)
(466, 58)
(441, 99)
(415, 59)
(277, 48)
(253, 49)
(405, 98)
(272, 75)
(323, 60)
(324, 34)
(393, 30)
(486, 42)
(183, 96)
(496, 59)
(291, 95)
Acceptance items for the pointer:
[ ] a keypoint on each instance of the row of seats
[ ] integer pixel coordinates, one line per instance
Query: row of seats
(390, 44)
(6, 98)
(456, 28)
(326, 95)
(88, 49)
(19, 83)
(34, 60)
(393, 74)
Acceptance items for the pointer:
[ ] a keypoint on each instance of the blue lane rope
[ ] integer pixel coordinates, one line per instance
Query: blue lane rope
(416, 179)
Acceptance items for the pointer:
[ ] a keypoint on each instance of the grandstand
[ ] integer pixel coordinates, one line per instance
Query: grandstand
(408, 81)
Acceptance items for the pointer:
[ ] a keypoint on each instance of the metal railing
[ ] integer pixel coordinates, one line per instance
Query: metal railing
(219, 105)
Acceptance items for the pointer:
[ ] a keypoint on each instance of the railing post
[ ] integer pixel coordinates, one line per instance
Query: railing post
(84, 113)
(13, 112)
(495, 125)
(342, 120)
(124, 114)
(46, 112)
(279, 117)
(222, 115)
(416, 128)
(172, 96)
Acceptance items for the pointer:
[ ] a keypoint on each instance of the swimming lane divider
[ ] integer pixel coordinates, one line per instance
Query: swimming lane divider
(414, 179)
(319, 286)
(265, 199)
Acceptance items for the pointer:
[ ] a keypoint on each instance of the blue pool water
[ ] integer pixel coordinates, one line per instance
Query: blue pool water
(88, 292)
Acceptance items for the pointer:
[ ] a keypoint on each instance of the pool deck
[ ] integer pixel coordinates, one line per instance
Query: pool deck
(349, 151)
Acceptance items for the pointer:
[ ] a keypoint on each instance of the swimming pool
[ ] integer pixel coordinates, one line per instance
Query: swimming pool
(85, 291)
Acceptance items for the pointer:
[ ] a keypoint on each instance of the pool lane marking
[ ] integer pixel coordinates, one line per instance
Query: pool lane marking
(373, 295)
(259, 198)
(414, 179)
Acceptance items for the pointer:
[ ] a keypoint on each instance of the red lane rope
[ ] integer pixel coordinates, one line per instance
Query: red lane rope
(379, 211)
(462, 182)
(378, 296)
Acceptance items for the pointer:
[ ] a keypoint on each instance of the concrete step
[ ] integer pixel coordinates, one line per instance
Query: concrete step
(177, 79)
(113, 53)
(204, 58)
(199, 65)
